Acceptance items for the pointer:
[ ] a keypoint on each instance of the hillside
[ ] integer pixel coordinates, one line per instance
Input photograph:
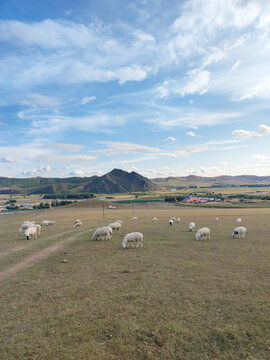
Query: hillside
(120, 181)
(116, 181)
(219, 181)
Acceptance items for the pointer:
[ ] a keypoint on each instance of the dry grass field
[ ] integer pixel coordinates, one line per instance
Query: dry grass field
(176, 298)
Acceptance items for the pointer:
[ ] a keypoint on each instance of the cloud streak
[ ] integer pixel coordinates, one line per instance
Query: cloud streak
(263, 131)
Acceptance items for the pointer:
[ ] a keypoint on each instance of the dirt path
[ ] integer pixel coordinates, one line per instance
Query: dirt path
(29, 245)
(32, 259)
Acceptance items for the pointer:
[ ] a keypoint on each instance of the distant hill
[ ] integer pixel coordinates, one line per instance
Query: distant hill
(120, 181)
(218, 181)
(116, 181)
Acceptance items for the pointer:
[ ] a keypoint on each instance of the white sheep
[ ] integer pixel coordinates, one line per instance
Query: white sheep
(203, 233)
(191, 226)
(119, 221)
(239, 220)
(154, 219)
(134, 218)
(31, 231)
(78, 223)
(217, 219)
(173, 218)
(171, 222)
(240, 231)
(178, 220)
(26, 225)
(103, 233)
(135, 237)
(116, 227)
(38, 227)
(47, 222)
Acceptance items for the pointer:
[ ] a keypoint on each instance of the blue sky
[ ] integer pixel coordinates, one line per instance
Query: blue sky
(164, 88)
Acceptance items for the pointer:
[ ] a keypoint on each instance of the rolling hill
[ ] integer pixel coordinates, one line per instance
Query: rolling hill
(116, 181)
(120, 181)
(218, 181)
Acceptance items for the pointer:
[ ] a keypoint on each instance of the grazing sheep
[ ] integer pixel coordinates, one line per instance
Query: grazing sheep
(178, 220)
(239, 220)
(173, 218)
(26, 225)
(38, 227)
(203, 233)
(171, 222)
(31, 231)
(154, 220)
(217, 219)
(47, 222)
(191, 226)
(240, 231)
(116, 227)
(78, 223)
(103, 233)
(135, 237)
(134, 218)
(119, 221)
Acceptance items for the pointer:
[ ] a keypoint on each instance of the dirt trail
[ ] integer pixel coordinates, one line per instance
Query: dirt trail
(29, 245)
(32, 259)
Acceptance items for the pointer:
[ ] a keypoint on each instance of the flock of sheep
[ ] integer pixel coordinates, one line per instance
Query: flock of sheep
(105, 233)
(204, 233)
(32, 229)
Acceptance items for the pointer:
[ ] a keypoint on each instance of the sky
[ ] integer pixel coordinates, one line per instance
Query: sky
(160, 87)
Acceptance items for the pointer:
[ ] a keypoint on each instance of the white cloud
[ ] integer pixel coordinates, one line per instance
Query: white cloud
(43, 124)
(236, 65)
(38, 100)
(170, 138)
(130, 73)
(66, 158)
(87, 99)
(163, 90)
(263, 131)
(47, 33)
(169, 118)
(7, 159)
(222, 142)
(124, 148)
(77, 172)
(42, 170)
(186, 151)
(65, 147)
(68, 52)
(133, 168)
(144, 37)
(261, 90)
(191, 133)
(197, 82)
(260, 157)
(225, 163)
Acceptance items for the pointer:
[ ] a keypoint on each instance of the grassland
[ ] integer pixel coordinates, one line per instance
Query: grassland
(174, 299)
